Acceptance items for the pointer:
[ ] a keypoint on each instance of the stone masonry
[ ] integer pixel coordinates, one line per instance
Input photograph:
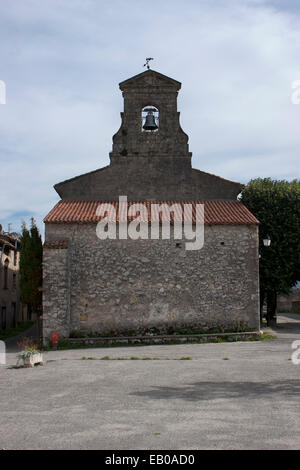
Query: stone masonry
(138, 286)
(131, 286)
(149, 166)
(11, 309)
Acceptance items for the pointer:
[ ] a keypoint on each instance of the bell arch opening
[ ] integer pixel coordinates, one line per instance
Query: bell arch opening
(150, 119)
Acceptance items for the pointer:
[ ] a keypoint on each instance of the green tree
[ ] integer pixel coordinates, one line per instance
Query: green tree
(276, 204)
(31, 268)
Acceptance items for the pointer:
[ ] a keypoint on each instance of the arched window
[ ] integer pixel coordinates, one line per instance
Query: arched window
(150, 119)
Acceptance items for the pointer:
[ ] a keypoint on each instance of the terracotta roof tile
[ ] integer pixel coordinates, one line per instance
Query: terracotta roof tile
(9, 240)
(215, 212)
(6, 243)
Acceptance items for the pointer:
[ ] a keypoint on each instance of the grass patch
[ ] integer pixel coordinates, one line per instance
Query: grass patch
(225, 358)
(10, 332)
(221, 340)
(237, 328)
(263, 337)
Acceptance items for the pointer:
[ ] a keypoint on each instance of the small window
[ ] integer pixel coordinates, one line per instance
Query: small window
(150, 119)
(3, 318)
(5, 274)
(15, 257)
(13, 319)
(14, 281)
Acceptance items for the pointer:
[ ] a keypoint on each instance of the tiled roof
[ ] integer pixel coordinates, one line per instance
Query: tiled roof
(215, 212)
(9, 240)
(6, 243)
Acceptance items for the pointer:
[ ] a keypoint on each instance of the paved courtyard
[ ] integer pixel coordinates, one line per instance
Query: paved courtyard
(226, 396)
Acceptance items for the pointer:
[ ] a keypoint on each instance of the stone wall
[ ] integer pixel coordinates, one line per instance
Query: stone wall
(149, 166)
(10, 296)
(289, 303)
(148, 178)
(150, 89)
(56, 291)
(119, 286)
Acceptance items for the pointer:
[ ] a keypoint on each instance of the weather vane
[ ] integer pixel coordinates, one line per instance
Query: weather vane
(147, 62)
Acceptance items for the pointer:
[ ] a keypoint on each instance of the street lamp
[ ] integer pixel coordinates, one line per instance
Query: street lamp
(266, 243)
(267, 240)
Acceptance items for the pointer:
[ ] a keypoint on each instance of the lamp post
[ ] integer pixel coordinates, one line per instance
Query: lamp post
(267, 241)
(270, 321)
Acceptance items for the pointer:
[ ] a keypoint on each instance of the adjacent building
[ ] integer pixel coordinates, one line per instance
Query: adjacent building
(11, 311)
(290, 303)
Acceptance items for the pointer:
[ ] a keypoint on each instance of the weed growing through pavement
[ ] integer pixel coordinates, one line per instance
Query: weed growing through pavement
(107, 358)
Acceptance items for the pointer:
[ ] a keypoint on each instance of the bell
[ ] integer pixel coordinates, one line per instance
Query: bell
(150, 124)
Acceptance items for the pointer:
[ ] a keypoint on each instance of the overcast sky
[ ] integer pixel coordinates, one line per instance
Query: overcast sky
(62, 61)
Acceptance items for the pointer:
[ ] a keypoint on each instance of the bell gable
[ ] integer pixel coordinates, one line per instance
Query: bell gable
(150, 157)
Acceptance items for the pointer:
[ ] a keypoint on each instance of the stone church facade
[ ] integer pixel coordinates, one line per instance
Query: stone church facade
(120, 286)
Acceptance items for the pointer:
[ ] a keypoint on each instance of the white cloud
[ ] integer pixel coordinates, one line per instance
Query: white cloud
(62, 61)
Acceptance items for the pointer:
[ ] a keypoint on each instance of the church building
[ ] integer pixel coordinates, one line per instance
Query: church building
(125, 285)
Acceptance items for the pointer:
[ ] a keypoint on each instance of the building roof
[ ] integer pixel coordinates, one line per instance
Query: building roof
(6, 243)
(215, 212)
(9, 240)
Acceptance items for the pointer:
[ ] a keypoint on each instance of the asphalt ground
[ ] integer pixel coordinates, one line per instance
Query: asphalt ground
(242, 395)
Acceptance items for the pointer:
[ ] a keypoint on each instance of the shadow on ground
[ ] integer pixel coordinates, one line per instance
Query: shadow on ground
(220, 390)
